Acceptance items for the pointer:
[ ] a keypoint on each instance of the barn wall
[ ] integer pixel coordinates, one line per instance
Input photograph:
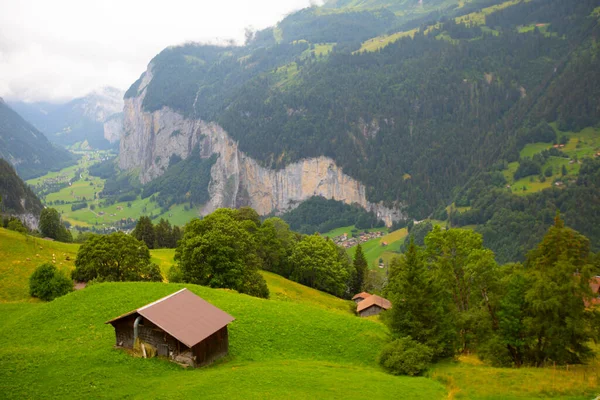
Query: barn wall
(148, 333)
(212, 348)
(373, 310)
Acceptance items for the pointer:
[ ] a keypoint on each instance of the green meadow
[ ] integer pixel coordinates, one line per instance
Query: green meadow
(300, 344)
(87, 188)
(583, 144)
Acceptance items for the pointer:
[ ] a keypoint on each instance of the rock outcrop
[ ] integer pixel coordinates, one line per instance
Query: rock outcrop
(113, 127)
(150, 139)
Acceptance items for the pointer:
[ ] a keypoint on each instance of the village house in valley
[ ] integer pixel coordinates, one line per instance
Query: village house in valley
(370, 304)
(181, 326)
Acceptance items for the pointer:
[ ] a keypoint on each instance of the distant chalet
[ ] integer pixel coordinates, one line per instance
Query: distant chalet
(181, 326)
(371, 305)
(360, 297)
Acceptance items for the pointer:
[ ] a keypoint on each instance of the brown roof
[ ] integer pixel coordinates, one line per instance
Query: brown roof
(183, 315)
(372, 301)
(361, 295)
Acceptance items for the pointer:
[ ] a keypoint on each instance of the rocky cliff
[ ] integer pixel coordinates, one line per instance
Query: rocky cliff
(150, 139)
(113, 127)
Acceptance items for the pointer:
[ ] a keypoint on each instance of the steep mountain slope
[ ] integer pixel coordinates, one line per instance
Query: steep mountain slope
(26, 148)
(17, 198)
(94, 117)
(403, 128)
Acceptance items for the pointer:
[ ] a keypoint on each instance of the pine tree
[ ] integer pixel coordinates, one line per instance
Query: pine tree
(144, 231)
(558, 274)
(360, 270)
(418, 309)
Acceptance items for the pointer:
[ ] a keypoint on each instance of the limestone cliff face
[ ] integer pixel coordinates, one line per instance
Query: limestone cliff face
(113, 127)
(150, 139)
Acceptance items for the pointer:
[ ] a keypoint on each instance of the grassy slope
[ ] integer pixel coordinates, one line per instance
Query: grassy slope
(15, 271)
(581, 144)
(15, 268)
(300, 344)
(279, 287)
(470, 379)
(474, 18)
(278, 350)
(374, 250)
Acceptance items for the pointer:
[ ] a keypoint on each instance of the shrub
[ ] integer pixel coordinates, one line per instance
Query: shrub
(48, 283)
(16, 225)
(405, 357)
(174, 275)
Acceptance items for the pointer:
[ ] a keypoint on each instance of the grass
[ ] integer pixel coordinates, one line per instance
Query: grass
(474, 18)
(380, 42)
(339, 231)
(89, 187)
(164, 258)
(279, 287)
(374, 250)
(285, 290)
(583, 144)
(300, 344)
(470, 379)
(478, 17)
(20, 255)
(278, 349)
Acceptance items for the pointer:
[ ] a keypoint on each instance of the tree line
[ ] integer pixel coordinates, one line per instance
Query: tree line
(225, 249)
(452, 297)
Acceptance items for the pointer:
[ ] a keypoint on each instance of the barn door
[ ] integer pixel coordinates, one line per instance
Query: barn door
(163, 350)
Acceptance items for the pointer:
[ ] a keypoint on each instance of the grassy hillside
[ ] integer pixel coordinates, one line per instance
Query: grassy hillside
(21, 254)
(374, 249)
(299, 344)
(278, 349)
(279, 287)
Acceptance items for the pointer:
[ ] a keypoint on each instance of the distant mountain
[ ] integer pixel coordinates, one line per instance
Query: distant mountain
(78, 120)
(26, 148)
(17, 198)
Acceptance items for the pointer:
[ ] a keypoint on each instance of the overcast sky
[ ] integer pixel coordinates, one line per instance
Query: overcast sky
(58, 50)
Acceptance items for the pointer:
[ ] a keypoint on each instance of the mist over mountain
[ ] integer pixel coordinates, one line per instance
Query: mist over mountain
(81, 119)
(26, 148)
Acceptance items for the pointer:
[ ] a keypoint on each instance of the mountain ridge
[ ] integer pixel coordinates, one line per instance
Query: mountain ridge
(26, 148)
(80, 119)
(410, 128)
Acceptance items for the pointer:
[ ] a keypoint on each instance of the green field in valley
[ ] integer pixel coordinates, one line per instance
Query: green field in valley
(97, 214)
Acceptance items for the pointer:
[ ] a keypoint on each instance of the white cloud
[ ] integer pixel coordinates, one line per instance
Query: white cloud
(58, 50)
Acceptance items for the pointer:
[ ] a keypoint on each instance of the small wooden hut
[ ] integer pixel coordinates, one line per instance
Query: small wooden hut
(373, 305)
(181, 326)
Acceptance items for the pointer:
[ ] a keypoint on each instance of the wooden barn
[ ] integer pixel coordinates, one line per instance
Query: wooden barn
(360, 297)
(181, 326)
(373, 305)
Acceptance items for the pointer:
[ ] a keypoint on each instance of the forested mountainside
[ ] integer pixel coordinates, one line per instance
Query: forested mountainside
(16, 197)
(95, 118)
(26, 148)
(422, 105)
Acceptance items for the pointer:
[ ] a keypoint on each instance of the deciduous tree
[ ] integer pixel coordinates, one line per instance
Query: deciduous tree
(115, 257)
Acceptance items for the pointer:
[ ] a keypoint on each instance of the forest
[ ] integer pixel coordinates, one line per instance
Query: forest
(416, 121)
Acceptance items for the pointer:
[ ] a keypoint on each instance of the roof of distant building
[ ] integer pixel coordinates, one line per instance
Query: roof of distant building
(361, 295)
(372, 301)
